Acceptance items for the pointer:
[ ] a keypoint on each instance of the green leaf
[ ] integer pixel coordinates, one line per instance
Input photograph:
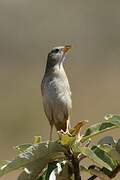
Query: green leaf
(108, 140)
(53, 174)
(65, 173)
(32, 170)
(51, 166)
(91, 155)
(104, 156)
(42, 176)
(58, 171)
(66, 139)
(105, 147)
(22, 147)
(100, 174)
(114, 119)
(36, 140)
(44, 152)
(97, 129)
(76, 129)
(4, 163)
(76, 148)
(118, 146)
(111, 150)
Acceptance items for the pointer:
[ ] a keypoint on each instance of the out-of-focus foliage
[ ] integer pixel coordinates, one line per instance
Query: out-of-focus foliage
(56, 159)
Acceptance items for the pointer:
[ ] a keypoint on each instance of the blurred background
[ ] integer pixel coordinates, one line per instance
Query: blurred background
(28, 31)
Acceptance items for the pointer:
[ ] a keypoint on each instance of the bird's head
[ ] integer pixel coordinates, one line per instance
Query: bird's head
(57, 56)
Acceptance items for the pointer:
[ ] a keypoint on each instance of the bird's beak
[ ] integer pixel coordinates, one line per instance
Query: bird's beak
(66, 48)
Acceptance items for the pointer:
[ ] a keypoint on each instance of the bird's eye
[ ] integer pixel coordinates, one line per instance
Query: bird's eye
(55, 50)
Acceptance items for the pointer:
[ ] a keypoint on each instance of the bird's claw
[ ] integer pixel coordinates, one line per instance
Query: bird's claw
(65, 132)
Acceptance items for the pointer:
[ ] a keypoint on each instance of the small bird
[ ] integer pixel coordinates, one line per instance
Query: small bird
(56, 91)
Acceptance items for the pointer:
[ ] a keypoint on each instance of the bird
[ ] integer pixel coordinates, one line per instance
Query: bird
(55, 90)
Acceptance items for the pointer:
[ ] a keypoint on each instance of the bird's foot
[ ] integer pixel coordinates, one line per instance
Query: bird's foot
(65, 132)
(68, 133)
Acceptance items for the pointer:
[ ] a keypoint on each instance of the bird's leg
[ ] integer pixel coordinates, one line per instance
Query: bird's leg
(51, 131)
(67, 127)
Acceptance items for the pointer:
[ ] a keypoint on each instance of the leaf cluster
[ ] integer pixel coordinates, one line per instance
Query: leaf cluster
(62, 159)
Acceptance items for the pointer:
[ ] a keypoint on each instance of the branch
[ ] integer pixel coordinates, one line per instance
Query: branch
(75, 163)
(75, 160)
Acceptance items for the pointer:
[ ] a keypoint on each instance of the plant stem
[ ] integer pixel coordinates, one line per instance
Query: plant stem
(76, 168)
